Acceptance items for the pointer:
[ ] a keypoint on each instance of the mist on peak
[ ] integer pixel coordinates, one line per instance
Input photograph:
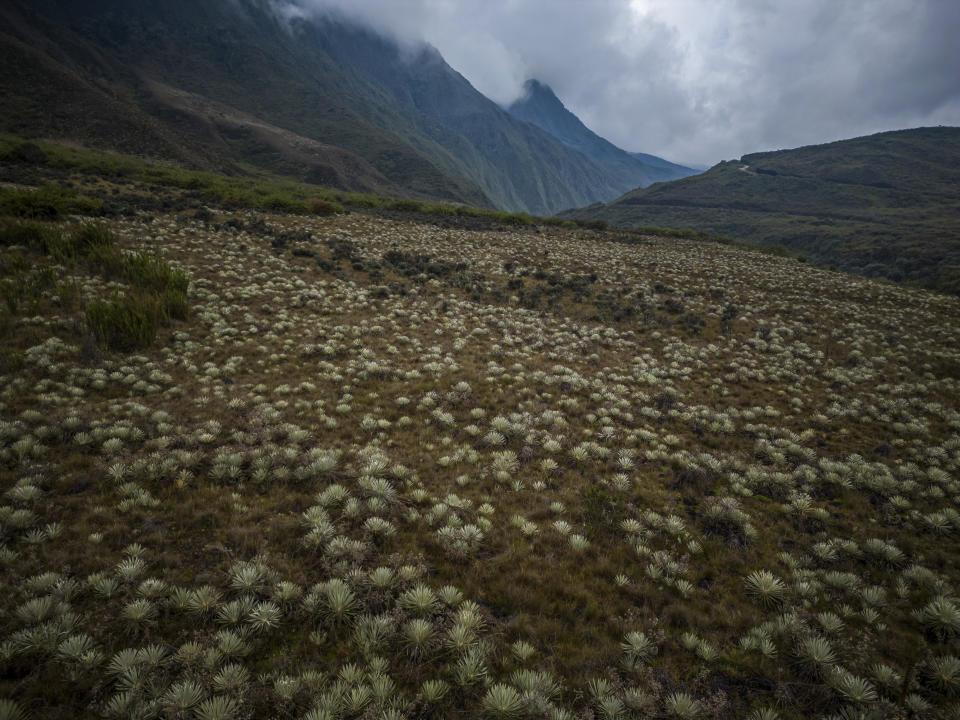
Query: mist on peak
(540, 106)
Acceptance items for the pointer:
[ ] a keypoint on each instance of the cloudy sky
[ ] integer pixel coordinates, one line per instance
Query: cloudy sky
(698, 81)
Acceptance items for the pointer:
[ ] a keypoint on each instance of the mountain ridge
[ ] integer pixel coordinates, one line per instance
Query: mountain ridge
(88, 104)
(518, 165)
(883, 205)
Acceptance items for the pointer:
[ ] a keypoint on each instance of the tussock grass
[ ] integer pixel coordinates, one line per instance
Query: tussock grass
(48, 202)
(131, 321)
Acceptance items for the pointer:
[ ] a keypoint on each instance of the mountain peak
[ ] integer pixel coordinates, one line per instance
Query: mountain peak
(540, 106)
(540, 95)
(534, 87)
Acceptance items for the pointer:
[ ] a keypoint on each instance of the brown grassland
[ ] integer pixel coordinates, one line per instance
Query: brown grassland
(260, 464)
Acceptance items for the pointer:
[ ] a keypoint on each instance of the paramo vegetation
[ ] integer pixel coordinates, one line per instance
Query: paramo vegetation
(287, 465)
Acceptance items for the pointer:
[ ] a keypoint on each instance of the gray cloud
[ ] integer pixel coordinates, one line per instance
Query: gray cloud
(699, 81)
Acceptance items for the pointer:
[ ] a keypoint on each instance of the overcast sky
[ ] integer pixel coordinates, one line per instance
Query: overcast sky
(699, 81)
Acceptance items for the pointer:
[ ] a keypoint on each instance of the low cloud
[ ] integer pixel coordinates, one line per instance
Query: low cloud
(699, 81)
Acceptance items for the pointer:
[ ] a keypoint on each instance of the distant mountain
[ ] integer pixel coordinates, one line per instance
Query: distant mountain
(884, 205)
(659, 162)
(228, 85)
(519, 166)
(541, 107)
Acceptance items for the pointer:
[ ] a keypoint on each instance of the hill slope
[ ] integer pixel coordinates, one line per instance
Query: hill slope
(659, 162)
(541, 107)
(884, 205)
(236, 58)
(228, 84)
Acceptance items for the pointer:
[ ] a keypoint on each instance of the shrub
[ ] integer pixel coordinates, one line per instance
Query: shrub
(150, 272)
(368, 201)
(48, 202)
(406, 205)
(127, 322)
(175, 304)
(519, 219)
(284, 203)
(160, 291)
(235, 199)
(324, 208)
(52, 241)
(440, 209)
(92, 235)
(106, 260)
(467, 211)
(31, 234)
(26, 152)
(775, 250)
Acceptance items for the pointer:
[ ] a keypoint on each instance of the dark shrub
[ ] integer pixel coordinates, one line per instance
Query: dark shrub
(324, 207)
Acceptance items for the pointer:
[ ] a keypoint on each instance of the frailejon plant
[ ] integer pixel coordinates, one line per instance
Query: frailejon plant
(345, 484)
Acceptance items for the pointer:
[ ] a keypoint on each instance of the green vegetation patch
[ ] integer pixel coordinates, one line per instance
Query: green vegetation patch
(256, 191)
(130, 319)
(880, 206)
(49, 202)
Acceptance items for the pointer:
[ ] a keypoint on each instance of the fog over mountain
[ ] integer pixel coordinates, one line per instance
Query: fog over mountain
(318, 97)
(539, 106)
(696, 81)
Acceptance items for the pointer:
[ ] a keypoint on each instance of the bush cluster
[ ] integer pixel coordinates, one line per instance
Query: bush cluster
(130, 319)
(48, 202)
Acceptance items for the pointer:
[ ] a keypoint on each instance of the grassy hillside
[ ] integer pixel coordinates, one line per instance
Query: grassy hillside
(275, 464)
(146, 185)
(42, 97)
(886, 205)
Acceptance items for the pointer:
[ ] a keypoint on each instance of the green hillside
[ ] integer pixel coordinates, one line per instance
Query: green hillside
(221, 86)
(886, 205)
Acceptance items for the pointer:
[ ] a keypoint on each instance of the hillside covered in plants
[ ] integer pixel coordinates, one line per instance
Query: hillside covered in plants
(883, 205)
(266, 459)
